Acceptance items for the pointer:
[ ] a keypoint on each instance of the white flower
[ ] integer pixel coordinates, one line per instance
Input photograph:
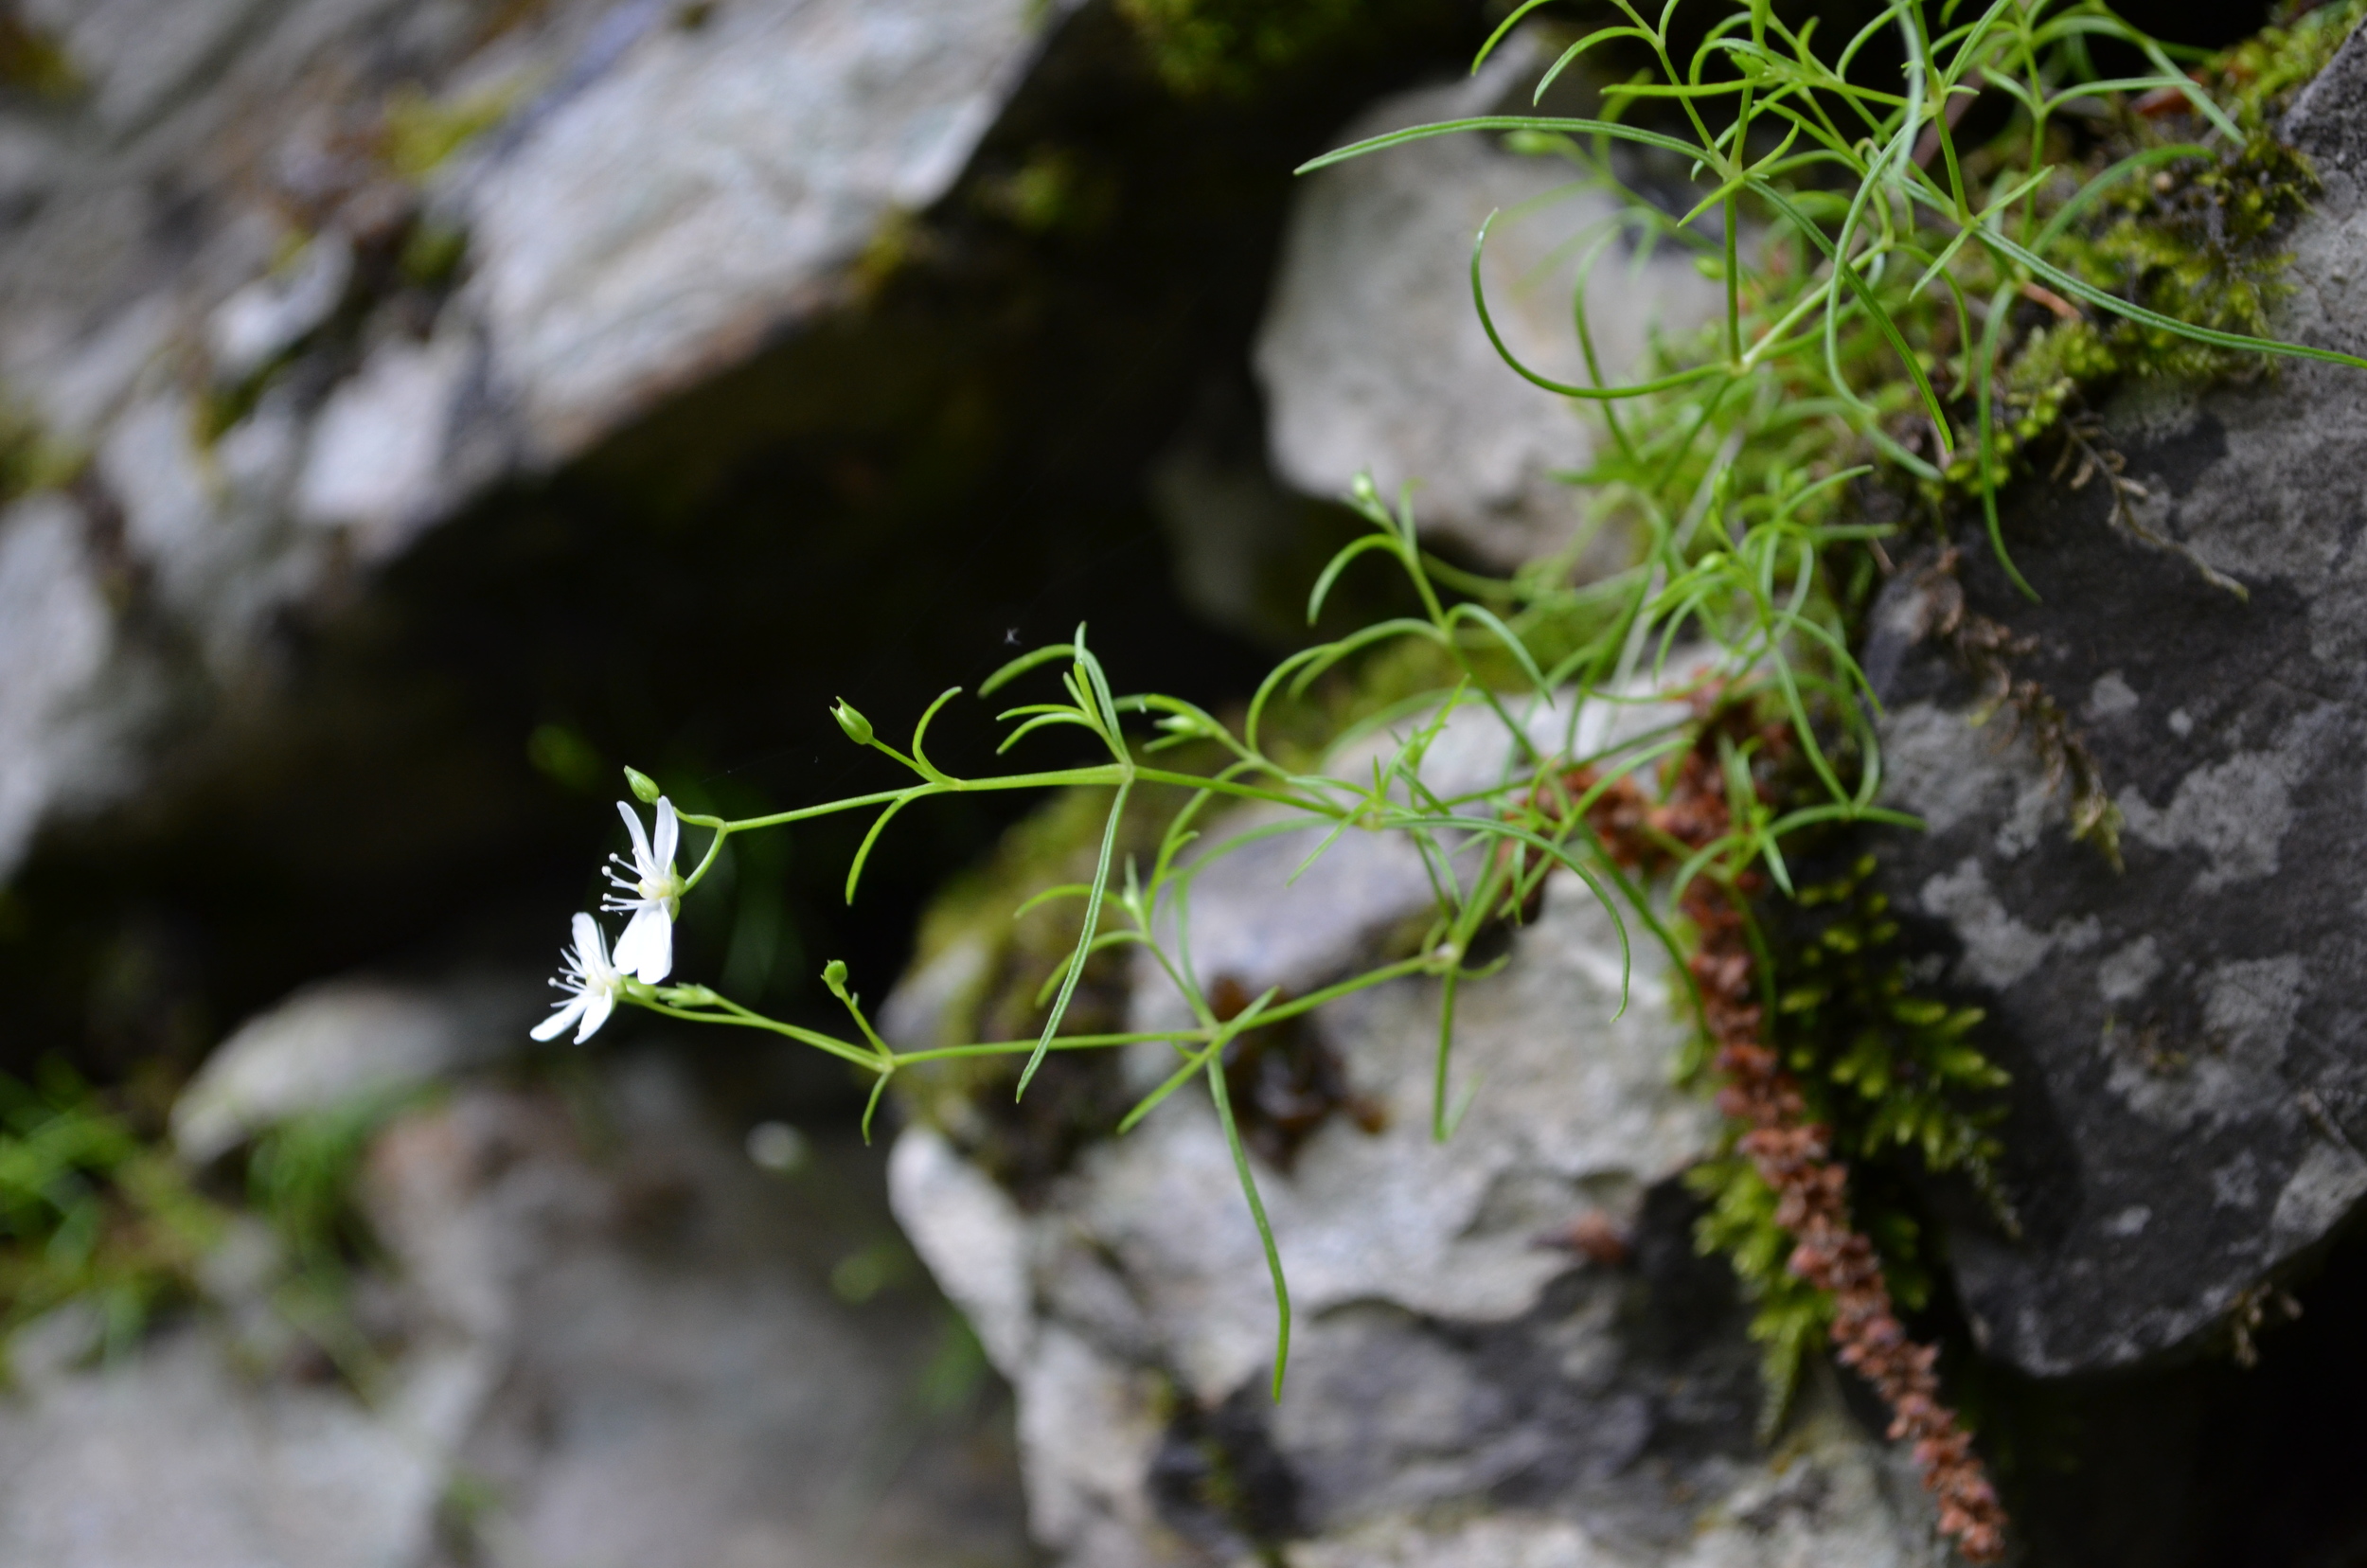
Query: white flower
(593, 982)
(650, 892)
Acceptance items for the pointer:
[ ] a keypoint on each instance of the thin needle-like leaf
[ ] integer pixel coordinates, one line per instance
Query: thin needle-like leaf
(1085, 938)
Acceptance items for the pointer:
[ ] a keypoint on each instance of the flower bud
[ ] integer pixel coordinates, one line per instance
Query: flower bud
(644, 788)
(834, 976)
(858, 728)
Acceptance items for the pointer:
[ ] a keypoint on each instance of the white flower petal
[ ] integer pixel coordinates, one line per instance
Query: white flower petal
(562, 1015)
(599, 1005)
(647, 947)
(668, 835)
(591, 947)
(642, 861)
(629, 942)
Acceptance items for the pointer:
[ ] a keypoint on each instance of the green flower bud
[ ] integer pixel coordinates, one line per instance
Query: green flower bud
(644, 788)
(834, 976)
(858, 728)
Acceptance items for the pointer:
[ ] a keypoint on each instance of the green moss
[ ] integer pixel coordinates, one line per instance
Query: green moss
(1053, 191)
(432, 252)
(1891, 1072)
(1885, 1067)
(1236, 47)
(2198, 239)
(32, 61)
(2262, 76)
(2197, 242)
(30, 459)
(418, 131)
(2054, 362)
(1789, 1317)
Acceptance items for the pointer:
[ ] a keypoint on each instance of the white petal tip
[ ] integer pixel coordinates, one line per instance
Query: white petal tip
(594, 1015)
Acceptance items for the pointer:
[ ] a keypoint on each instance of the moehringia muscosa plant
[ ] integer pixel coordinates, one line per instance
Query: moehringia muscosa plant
(1886, 263)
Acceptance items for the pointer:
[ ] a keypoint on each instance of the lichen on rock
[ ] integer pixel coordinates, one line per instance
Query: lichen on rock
(2184, 1114)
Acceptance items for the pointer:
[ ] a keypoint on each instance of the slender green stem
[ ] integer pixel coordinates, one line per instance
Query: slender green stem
(744, 1019)
(1060, 1043)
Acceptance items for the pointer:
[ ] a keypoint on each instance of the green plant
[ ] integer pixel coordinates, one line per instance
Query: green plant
(300, 1181)
(1125, 906)
(1901, 310)
(90, 1212)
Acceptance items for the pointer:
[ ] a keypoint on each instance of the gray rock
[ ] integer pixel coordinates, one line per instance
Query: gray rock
(381, 448)
(2187, 1038)
(62, 713)
(1459, 1391)
(273, 315)
(1830, 1498)
(677, 1383)
(669, 189)
(608, 1335)
(612, 263)
(1373, 357)
(340, 1041)
(174, 1460)
(1235, 533)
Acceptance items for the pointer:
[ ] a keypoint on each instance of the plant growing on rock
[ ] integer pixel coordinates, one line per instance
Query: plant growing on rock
(1905, 312)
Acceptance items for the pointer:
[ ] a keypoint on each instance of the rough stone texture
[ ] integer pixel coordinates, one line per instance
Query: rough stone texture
(216, 232)
(1461, 1390)
(614, 263)
(1373, 357)
(609, 1342)
(61, 705)
(174, 1460)
(676, 1381)
(2187, 1038)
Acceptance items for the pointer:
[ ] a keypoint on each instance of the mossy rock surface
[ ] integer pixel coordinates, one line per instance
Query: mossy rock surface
(2185, 1030)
